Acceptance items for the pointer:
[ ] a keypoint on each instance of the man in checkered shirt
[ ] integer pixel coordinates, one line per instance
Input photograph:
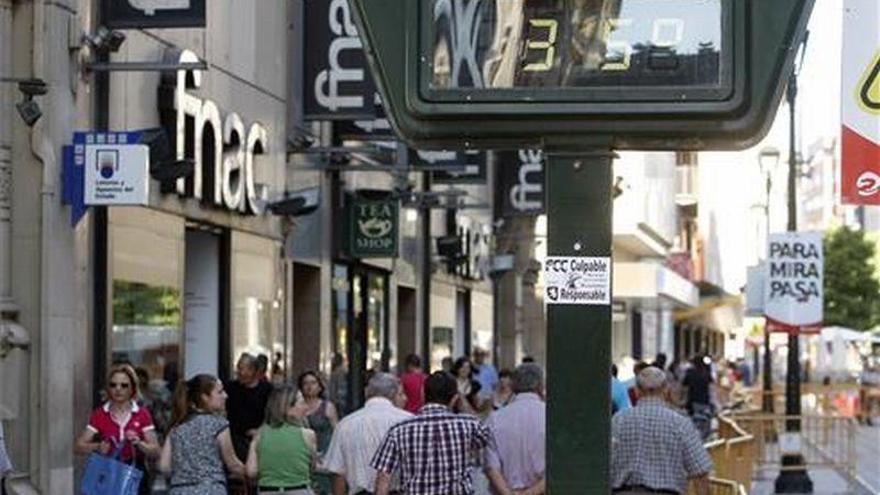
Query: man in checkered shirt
(654, 449)
(434, 450)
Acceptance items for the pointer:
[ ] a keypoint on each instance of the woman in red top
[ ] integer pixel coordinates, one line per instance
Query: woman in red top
(413, 381)
(121, 421)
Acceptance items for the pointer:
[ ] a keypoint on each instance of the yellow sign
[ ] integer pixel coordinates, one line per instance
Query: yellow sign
(869, 87)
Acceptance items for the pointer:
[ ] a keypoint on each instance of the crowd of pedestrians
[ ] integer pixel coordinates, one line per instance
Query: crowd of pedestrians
(441, 433)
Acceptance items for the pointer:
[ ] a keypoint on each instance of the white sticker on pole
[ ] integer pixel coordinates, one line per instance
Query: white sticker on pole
(793, 293)
(577, 280)
(790, 443)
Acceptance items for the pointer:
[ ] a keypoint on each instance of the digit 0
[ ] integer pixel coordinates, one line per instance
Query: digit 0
(668, 33)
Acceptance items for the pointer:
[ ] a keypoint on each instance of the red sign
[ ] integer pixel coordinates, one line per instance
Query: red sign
(779, 327)
(860, 171)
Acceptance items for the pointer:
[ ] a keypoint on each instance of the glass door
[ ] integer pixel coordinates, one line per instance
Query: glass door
(360, 340)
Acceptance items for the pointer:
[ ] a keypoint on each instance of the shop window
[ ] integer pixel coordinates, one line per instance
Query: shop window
(146, 249)
(442, 346)
(146, 334)
(257, 316)
(338, 389)
(377, 351)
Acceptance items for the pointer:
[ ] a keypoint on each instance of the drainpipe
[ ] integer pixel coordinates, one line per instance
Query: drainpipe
(51, 386)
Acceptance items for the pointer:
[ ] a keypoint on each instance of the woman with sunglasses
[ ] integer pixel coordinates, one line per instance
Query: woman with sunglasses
(121, 423)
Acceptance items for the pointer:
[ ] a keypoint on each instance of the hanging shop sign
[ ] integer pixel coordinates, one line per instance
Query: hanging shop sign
(373, 224)
(338, 84)
(520, 189)
(225, 150)
(105, 168)
(462, 167)
(137, 14)
(860, 104)
(116, 168)
(793, 293)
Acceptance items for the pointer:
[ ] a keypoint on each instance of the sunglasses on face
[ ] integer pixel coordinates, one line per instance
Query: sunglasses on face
(122, 385)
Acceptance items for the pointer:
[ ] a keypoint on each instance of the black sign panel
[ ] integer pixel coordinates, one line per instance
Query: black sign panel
(520, 187)
(134, 14)
(373, 218)
(337, 82)
(465, 167)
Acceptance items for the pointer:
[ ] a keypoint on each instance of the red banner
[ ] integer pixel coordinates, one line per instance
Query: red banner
(779, 327)
(860, 170)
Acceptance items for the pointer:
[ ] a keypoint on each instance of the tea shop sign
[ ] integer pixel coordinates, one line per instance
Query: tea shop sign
(373, 218)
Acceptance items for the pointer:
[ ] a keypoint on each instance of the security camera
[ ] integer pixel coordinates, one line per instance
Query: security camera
(297, 203)
(32, 87)
(105, 40)
(299, 143)
(29, 111)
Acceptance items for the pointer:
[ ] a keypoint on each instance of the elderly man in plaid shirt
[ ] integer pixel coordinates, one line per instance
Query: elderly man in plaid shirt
(434, 450)
(655, 449)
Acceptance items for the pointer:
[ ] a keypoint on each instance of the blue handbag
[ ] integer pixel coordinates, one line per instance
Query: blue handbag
(107, 475)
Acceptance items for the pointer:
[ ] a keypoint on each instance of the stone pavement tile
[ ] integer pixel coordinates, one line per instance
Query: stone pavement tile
(825, 482)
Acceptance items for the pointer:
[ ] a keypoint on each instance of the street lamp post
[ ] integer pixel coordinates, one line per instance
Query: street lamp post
(793, 478)
(768, 159)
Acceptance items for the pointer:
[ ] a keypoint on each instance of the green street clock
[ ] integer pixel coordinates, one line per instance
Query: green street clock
(654, 74)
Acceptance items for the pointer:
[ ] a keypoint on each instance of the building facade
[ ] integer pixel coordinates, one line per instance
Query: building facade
(214, 263)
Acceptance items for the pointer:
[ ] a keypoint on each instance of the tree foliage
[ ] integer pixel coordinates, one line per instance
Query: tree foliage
(852, 290)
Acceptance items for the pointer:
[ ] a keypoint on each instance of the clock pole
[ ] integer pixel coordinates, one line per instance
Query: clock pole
(579, 208)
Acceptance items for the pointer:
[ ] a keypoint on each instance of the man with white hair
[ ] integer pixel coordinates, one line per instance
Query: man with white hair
(358, 436)
(515, 460)
(654, 449)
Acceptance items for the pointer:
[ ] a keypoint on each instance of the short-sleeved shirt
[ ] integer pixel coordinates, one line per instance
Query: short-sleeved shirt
(433, 451)
(138, 421)
(414, 388)
(246, 410)
(487, 375)
(619, 395)
(519, 432)
(656, 447)
(357, 438)
(697, 384)
(195, 455)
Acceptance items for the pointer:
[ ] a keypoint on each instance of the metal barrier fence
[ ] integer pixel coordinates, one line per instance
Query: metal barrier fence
(825, 441)
(845, 399)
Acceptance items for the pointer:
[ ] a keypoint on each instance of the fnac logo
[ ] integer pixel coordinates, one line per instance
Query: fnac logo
(868, 183)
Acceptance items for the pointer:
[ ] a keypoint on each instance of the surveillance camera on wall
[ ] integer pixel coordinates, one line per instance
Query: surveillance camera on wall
(105, 41)
(297, 203)
(29, 111)
(32, 87)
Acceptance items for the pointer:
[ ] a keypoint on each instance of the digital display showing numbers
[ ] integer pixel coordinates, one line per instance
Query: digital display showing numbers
(492, 44)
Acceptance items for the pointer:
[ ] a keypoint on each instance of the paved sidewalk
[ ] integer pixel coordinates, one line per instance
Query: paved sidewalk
(825, 482)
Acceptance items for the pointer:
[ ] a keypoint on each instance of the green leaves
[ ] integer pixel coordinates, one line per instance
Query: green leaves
(852, 289)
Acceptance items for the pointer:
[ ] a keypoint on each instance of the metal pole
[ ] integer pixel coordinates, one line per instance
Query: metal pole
(579, 336)
(100, 240)
(426, 273)
(794, 480)
(767, 403)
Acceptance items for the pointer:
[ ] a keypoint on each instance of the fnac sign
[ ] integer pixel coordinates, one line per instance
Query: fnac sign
(224, 148)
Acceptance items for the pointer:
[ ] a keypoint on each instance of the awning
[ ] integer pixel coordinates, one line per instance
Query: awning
(650, 280)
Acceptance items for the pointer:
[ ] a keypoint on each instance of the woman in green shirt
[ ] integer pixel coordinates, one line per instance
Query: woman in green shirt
(282, 454)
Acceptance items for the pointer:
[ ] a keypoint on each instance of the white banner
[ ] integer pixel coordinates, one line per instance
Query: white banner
(577, 280)
(793, 294)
